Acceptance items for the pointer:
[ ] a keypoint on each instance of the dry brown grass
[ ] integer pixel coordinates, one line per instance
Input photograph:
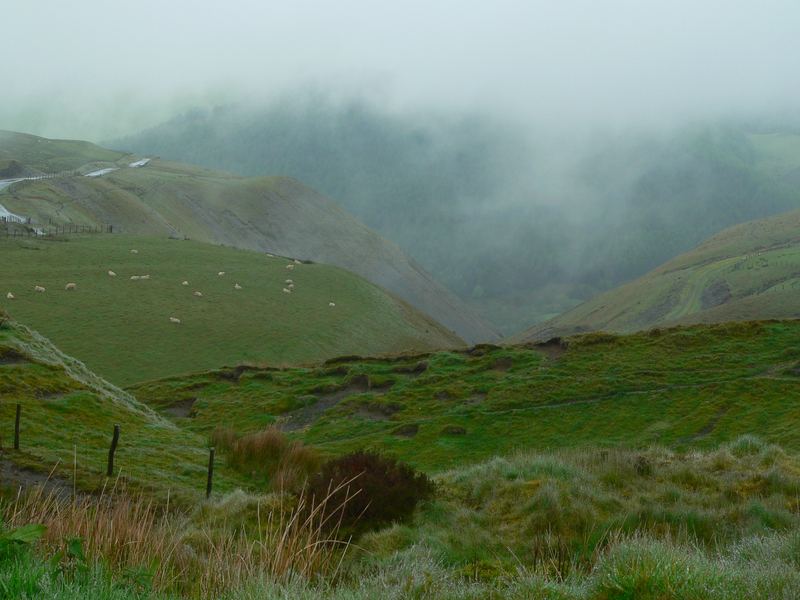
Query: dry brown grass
(132, 533)
(268, 452)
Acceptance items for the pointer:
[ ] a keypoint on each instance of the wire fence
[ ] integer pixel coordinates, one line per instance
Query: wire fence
(51, 230)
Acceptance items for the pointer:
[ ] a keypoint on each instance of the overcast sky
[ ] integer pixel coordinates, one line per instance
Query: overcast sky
(93, 69)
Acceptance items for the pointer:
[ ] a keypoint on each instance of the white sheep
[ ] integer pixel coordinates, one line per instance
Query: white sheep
(10, 296)
(112, 274)
(135, 277)
(221, 273)
(270, 255)
(184, 283)
(145, 277)
(289, 281)
(286, 291)
(290, 286)
(297, 262)
(175, 320)
(198, 294)
(134, 251)
(290, 267)
(236, 286)
(70, 287)
(39, 289)
(331, 304)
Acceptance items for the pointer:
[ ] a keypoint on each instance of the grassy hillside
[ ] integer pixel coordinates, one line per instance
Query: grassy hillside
(68, 414)
(121, 328)
(707, 512)
(41, 155)
(521, 229)
(271, 214)
(751, 271)
(688, 387)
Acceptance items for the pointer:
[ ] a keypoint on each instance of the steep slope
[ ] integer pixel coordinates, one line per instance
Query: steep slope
(521, 228)
(687, 387)
(121, 327)
(750, 271)
(272, 214)
(22, 154)
(68, 414)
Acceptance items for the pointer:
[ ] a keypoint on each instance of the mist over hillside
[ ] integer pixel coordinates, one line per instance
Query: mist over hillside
(523, 225)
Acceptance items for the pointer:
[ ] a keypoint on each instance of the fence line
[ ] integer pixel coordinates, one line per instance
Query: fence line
(55, 230)
(112, 450)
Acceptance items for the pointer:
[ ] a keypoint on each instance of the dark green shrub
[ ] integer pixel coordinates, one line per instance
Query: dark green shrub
(366, 490)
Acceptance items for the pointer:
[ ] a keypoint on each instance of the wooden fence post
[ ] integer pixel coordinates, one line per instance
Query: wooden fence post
(16, 427)
(111, 451)
(209, 483)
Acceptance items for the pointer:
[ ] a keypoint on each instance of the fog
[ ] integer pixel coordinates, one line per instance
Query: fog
(95, 69)
(528, 153)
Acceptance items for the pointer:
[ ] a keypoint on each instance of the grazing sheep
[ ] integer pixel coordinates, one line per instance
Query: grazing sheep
(270, 255)
(236, 286)
(134, 252)
(10, 296)
(135, 277)
(145, 277)
(39, 289)
(289, 281)
(285, 291)
(184, 283)
(331, 304)
(70, 287)
(297, 262)
(290, 267)
(290, 286)
(175, 320)
(221, 273)
(199, 294)
(112, 274)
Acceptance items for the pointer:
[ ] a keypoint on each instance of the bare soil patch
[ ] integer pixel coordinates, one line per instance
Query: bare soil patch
(15, 477)
(502, 364)
(408, 431)
(378, 412)
(181, 408)
(553, 349)
(302, 417)
(716, 294)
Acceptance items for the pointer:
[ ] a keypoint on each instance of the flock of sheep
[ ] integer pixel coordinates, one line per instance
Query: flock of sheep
(71, 287)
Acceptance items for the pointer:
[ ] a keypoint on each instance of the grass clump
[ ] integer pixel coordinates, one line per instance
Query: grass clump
(163, 551)
(268, 454)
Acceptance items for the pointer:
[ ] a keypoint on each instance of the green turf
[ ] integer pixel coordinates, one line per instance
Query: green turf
(68, 415)
(268, 214)
(747, 272)
(121, 328)
(612, 468)
(52, 156)
(688, 387)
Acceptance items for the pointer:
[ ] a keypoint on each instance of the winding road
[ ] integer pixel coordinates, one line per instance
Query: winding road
(4, 183)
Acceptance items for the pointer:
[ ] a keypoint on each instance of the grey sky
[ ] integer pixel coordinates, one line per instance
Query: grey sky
(95, 69)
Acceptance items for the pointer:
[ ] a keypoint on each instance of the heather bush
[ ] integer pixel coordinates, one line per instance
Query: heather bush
(382, 489)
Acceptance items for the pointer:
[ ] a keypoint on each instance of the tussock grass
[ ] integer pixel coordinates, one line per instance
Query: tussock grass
(185, 555)
(286, 464)
(571, 524)
(558, 514)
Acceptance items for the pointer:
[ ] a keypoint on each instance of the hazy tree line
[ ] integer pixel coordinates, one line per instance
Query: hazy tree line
(493, 212)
